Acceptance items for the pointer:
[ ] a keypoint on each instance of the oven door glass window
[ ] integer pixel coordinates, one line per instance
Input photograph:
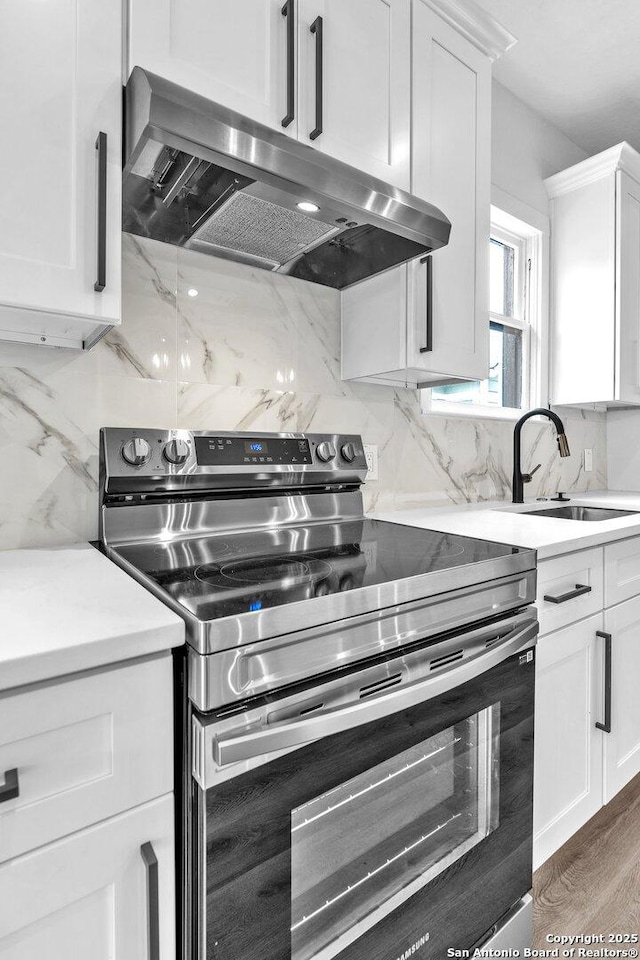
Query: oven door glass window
(361, 849)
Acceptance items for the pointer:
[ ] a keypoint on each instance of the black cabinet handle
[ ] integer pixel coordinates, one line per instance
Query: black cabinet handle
(606, 726)
(429, 328)
(316, 28)
(287, 11)
(101, 147)
(579, 591)
(10, 789)
(153, 905)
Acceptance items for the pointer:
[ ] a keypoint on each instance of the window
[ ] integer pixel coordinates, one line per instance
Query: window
(514, 329)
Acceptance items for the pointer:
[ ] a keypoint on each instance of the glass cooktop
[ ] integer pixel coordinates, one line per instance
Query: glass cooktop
(226, 575)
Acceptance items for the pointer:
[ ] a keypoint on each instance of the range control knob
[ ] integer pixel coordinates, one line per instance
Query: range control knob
(136, 451)
(348, 452)
(177, 451)
(325, 451)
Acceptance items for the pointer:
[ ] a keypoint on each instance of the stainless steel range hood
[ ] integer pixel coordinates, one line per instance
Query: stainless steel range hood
(201, 176)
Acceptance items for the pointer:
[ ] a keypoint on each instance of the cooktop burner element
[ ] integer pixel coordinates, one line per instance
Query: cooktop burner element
(283, 572)
(257, 536)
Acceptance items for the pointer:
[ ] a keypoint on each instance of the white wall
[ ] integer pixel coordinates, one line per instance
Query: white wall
(623, 449)
(526, 149)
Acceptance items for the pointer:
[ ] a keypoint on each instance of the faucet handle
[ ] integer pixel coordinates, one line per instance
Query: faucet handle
(527, 477)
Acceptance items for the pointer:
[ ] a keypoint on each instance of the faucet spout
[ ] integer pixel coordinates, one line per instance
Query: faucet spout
(519, 478)
(563, 445)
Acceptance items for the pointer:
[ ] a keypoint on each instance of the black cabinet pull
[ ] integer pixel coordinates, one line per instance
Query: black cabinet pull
(429, 328)
(10, 789)
(287, 11)
(101, 147)
(606, 726)
(153, 905)
(579, 591)
(316, 28)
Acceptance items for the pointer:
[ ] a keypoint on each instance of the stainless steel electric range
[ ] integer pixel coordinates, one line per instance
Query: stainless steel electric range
(358, 715)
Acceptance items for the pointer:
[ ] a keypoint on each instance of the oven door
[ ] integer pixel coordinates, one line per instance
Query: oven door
(379, 815)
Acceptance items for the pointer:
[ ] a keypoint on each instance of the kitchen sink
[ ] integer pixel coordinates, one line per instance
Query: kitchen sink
(581, 513)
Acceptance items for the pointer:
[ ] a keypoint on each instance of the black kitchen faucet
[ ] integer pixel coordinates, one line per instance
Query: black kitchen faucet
(520, 478)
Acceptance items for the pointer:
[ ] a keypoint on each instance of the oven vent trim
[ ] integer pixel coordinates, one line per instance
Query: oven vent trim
(446, 659)
(379, 686)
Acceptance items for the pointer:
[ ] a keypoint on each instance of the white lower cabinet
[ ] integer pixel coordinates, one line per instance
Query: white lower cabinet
(93, 895)
(622, 745)
(584, 754)
(84, 749)
(87, 863)
(568, 746)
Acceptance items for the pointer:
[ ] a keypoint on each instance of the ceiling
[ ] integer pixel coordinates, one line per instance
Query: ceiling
(576, 62)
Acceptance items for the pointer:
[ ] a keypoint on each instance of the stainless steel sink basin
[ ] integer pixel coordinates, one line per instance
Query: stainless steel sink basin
(581, 513)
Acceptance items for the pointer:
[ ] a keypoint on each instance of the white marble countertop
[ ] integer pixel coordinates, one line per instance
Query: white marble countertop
(66, 609)
(506, 522)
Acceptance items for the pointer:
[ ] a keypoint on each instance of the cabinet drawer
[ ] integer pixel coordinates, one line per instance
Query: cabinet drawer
(84, 749)
(621, 571)
(569, 588)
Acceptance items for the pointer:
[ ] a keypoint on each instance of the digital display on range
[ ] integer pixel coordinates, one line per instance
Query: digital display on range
(241, 451)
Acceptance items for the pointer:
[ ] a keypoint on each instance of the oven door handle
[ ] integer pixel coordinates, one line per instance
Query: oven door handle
(295, 733)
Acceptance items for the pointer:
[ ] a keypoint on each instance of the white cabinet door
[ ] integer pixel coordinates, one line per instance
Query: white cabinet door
(451, 151)
(595, 207)
(568, 746)
(91, 895)
(583, 285)
(365, 87)
(627, 289)
(622, 745)
(384, 325)
(230, 52)
(61, 72)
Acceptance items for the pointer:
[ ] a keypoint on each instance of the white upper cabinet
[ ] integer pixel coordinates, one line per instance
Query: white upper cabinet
(358, 111)
(452, 168)
(234, 53)
(61, 70)
(333, 74)
(434, 329)
(595, 342)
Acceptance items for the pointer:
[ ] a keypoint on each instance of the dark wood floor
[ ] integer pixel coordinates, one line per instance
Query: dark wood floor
(592, 884)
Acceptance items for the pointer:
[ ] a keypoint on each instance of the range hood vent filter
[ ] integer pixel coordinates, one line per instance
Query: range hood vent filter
(258, 230)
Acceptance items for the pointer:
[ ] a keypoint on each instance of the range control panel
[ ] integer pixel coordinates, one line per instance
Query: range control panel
(236, 451)
(164, 460)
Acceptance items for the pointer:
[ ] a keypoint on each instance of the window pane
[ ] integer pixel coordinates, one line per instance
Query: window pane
(496, 274)
(501, 273)
(503, 388)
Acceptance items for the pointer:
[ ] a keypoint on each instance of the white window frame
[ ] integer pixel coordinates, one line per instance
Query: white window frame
(523, 226)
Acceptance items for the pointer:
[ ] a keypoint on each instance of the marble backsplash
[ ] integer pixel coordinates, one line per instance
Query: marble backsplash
(207, 344)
